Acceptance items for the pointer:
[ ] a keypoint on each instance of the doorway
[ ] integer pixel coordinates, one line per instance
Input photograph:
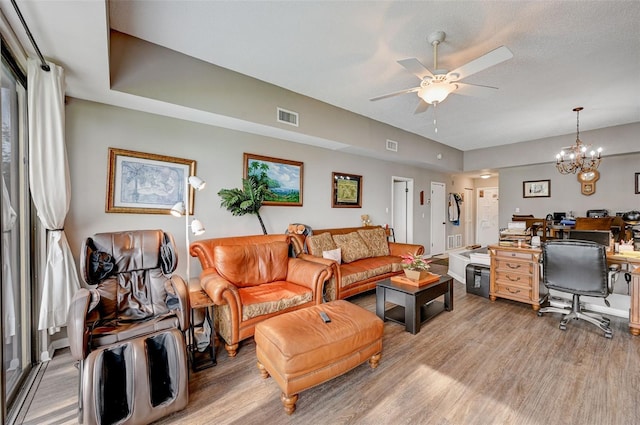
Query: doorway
(438, 218)
(469, 232)
(487, 231)
(402, 210)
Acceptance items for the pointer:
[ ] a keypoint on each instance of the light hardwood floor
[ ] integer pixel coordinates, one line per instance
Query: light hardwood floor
(482, 363)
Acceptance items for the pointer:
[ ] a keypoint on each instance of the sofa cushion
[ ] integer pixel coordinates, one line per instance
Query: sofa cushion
(333, 254)
(317, 244)
(250, 265)
(272, 298)
(376, 240)
(353, 247)
(368, 268)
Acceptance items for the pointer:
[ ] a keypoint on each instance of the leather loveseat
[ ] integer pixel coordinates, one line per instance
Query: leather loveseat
(365, 257)
(252, 278)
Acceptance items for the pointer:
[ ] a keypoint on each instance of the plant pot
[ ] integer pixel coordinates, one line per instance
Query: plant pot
(416, 274)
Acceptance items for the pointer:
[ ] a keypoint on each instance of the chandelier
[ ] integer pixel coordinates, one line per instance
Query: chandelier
(574, 158)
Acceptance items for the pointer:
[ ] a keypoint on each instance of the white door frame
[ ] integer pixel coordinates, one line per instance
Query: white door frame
(409, 210)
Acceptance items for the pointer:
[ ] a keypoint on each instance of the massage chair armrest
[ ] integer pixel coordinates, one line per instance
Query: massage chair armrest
(311, 274)
(398, 249)
(82, 303)
(183, 312)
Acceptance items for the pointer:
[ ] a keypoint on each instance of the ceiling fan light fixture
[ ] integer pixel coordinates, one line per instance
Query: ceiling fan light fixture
(436, 92)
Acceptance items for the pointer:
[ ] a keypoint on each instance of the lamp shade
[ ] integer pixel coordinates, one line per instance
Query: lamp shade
(436, 92)
(178, 209)
(197, 183)
(196, 227)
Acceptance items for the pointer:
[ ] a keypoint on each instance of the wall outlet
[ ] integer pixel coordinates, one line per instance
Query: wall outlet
(517, 210)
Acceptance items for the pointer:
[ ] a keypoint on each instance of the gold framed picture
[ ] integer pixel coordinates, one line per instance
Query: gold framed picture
(347, 190)
(146, 183)
(282, 176)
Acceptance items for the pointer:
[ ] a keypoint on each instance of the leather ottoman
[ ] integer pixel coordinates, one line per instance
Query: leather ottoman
(299, 350)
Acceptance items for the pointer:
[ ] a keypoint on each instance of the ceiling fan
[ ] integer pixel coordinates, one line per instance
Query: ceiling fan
(437, 85)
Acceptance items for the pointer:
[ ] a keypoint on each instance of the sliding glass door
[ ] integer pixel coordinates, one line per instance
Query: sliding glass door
(16, 317)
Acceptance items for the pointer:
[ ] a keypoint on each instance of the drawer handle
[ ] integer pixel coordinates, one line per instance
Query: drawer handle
(517, 291)
(513, 280)
(517, 266)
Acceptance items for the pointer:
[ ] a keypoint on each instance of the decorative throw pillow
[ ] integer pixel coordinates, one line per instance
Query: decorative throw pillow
(376, 240)
(334, 254)
(353, 247)
(317, 244)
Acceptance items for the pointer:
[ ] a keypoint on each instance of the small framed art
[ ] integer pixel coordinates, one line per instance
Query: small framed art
(536, 189)
(347, 190)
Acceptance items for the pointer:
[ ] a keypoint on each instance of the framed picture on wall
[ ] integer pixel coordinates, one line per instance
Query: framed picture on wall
(536, 189)
(146, 183)
(282, 176)
(637, 183)
(347, 190)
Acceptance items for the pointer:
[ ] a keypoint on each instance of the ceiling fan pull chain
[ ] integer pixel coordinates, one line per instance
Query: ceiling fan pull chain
(435, 116)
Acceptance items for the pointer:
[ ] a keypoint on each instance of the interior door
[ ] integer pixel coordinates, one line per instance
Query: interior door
(402, 214)
(487, 231)
(468, 217)
(399, 216)
(438, 218)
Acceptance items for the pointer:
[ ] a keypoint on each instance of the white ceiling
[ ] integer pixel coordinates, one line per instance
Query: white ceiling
(566, 54)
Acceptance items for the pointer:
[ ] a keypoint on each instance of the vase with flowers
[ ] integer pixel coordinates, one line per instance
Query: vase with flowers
(416, 267)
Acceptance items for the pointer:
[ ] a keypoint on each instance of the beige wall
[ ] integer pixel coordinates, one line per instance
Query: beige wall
(615, 190)
(92, 128)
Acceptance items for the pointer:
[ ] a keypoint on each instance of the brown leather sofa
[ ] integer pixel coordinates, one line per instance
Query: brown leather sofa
(366, 257)
(252, 278)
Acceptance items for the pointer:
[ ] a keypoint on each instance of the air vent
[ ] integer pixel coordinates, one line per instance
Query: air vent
(287, 117)
(450, 242)
(392, 145)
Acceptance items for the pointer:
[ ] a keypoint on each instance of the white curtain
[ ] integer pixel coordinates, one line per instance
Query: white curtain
(51, 189)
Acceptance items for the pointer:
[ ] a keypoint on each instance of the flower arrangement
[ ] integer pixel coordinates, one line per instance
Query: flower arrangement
(415, 262)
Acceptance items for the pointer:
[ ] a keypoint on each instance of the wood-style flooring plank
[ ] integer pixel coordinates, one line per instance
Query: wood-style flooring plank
(482, 363)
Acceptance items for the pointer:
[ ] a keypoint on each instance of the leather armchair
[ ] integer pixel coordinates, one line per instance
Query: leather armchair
(252, 278)
(579, 268)
(128, 328)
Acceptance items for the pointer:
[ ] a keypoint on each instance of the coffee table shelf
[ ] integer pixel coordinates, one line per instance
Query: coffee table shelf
(413, 305)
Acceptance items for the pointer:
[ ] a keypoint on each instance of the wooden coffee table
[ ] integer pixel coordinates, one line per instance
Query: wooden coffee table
(412, 303)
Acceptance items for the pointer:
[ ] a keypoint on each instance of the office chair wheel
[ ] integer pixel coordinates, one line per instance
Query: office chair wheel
(606, 320)
(608, 335)
(563, 327)
(539, 314)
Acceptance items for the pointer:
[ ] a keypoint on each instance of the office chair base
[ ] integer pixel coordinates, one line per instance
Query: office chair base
(575, 313)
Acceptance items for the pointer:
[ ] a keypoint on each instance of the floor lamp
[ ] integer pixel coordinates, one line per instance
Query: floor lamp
(182, 209)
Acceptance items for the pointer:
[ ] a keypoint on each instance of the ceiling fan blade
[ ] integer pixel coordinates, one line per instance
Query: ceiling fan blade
(474, 90)
(384, 96)
(422, 107)
(490, 59)
(416, 67)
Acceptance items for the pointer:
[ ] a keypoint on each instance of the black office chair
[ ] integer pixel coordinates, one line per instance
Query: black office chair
(579, 268)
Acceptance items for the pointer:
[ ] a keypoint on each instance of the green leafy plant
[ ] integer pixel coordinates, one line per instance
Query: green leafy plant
(247, 200)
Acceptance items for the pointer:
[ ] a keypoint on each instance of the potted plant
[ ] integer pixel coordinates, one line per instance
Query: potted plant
(416, 267)
(247, 200)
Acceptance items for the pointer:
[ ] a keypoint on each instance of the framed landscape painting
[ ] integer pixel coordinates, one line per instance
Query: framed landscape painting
(146, 183)
(347, 190)
(282, 176)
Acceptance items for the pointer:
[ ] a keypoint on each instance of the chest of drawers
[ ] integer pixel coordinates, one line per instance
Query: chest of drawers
(515, 275)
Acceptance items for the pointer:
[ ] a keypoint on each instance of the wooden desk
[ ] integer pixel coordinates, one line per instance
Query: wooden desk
(632, 263)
